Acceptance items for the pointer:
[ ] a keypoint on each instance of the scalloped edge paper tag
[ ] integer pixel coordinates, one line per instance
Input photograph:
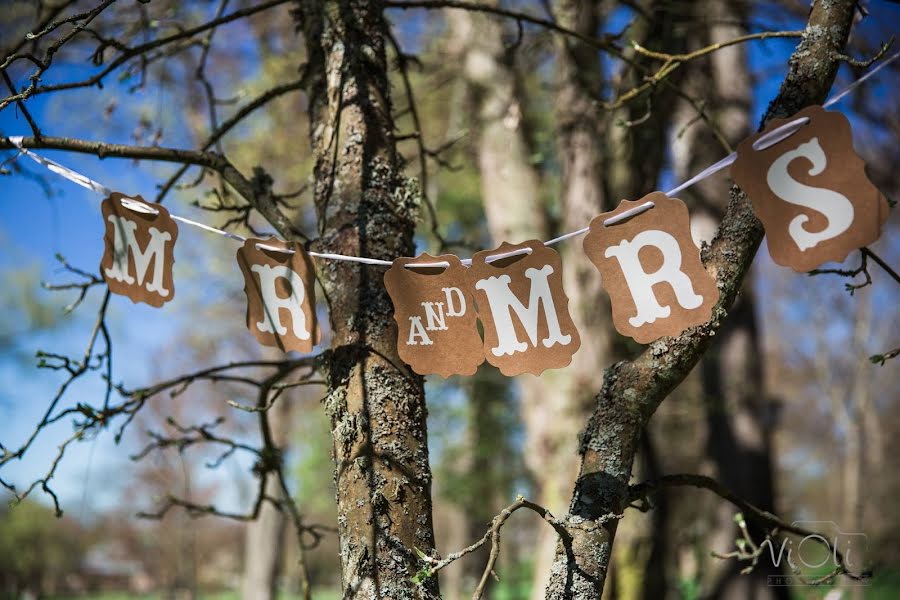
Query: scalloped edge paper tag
(280, 290)
(514, 290)
(811, 191)
(138, 250)
(651, 269)
(436, 317)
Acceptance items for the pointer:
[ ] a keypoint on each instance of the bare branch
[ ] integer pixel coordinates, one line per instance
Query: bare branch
(127, 54)
(641, 493)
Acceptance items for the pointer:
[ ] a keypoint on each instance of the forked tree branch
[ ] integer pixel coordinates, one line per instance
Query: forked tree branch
(256, 190)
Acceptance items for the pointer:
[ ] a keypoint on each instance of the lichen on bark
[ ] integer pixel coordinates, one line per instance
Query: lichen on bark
(366, 207)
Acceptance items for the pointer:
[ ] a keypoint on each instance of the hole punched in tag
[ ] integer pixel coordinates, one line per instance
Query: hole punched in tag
(429, 268)
(631, 212)
(275, 249)
(779, 134)
(138, 207)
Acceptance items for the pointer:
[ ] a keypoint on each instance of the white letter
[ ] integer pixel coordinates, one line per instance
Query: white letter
(452, 311)
(503, 303)
(124, 241)
(416, 330)
(836, 207)
(641, 283)
(436, 319)
(777, 562)
(272, 302)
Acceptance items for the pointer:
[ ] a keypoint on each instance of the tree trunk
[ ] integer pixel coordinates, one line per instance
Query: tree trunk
(366, 207)
(264, 537)
(858, 439)
(636, 137)
(632, 391)
(510, 184)
(263, 547)
(510, 189)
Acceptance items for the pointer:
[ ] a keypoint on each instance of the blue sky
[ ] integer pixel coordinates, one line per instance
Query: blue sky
(34, 227)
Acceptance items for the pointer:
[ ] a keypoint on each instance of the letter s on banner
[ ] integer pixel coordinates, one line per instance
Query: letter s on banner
(651, 269)
(138, 249)
(810, 190)
(524, 310)
(279, 281)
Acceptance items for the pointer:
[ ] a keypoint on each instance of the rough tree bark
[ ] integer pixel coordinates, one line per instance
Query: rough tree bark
(366, 207)
(739, 413)
(603, 162)
(632, 391)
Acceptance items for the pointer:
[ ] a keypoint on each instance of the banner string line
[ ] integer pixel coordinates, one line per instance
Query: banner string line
(767, 140)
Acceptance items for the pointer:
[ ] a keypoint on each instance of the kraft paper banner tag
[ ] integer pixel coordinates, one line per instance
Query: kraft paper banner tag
(138, 249)
(280, 289)
(435, 315)
(524, 310)
(811, 191)
(651, 269)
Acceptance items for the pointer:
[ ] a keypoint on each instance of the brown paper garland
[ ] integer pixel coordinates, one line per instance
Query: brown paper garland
(436, 317)
(813, 211)
(649, 299)
(512, 289)
(280, 289)
(825, 206)
(138, 250)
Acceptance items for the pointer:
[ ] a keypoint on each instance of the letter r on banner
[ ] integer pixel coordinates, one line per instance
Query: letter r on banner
(641, 283)
(651, 269)
(273, 303)
(279, 283)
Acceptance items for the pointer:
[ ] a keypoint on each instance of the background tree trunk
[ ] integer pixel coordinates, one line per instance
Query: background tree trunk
(563, 404)
(264, 537)
(510, 189)
(366, 207)
(510, 183)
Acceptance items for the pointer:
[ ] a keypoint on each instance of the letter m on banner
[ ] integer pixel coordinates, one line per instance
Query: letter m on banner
(138, 255)
(524, 310)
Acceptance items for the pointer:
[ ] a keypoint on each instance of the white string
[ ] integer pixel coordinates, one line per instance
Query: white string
(707, 172)
(627, 214)
(767, 140)
(57, 168)
(227, 234)
(834, 99)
